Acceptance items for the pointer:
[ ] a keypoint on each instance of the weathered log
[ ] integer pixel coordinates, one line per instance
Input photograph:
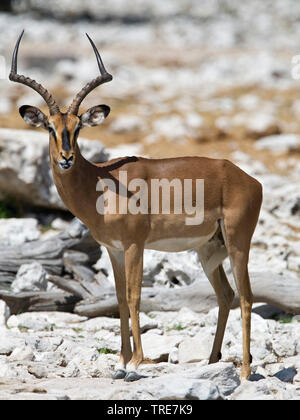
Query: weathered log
(199, 297)
(98, 307)
(277, 290)
(71, 286)
(38, 301)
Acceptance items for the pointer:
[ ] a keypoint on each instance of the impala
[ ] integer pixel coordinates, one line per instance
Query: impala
(232, 201)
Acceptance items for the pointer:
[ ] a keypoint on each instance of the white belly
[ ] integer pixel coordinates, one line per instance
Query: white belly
(178, 244)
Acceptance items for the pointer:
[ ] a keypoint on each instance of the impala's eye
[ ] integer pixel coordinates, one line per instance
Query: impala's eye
(52, 131)
(76, 132)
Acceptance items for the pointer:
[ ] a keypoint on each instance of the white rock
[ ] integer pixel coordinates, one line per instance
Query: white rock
(146, 323)
(38, 370)
(10, 370)
(175, 387)
(196, 348)
(223, 123)
(41, 344)
(59, 224)
(224, 375)
(62, 320)
(8, 342)
(161, 268)
(127, 123)
(28, 321)
(30, 277)
(77, 353)
(265, 389)
(6, 105)
(187, 318)
(104, 366)
(278, 143)
(157, 347)
(285, 343)
(172, 127)
(173, 355)
(256, 122)
(132, 149)
(23, 353)
(18, 231)
(113, 324)
(194, 121)
(4, 313)
(248, 102)
(167, 268)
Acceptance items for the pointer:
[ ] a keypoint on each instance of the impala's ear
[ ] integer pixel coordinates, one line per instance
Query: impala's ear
(33, 116)
(95, 115)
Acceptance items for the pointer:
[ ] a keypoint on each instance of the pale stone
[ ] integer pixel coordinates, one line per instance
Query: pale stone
(30, 277)
(18, 231)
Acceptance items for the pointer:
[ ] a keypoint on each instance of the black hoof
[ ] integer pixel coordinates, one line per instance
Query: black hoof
(119, 374)
(256, 377)
(133, 376)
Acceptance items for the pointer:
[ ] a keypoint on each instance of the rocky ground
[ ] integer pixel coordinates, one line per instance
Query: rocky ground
(216, 80)
(52, 355)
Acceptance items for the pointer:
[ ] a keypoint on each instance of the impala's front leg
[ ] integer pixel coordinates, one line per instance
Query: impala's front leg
(118, 263)
(134, 276)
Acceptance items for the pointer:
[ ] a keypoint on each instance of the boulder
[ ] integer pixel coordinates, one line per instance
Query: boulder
(171, 269)
(287, 374)
(168, 387)
(8, 342)
(157, 347)
(224, 375)
(279, 143)
(265, 389)
(162, 268)
(175, 387)
(18, 231)
(127, 123)
(22, 354)
(196, 348)
(30, 277)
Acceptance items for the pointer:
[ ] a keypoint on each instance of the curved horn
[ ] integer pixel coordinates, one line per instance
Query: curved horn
(14, 77)
(103, 78)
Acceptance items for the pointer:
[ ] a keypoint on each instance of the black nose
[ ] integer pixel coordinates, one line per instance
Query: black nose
(66, 163)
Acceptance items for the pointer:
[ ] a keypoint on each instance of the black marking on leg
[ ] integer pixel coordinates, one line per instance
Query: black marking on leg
(219, 355)
(250, 358)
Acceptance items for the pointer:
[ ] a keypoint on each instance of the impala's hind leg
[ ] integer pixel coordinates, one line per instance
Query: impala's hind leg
(225, 296)
(241, 202)
(211, 256)
(238, 245)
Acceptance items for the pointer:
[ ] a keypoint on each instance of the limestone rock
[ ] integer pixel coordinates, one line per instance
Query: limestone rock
(18, 231)
(196, 348)
(30, 277)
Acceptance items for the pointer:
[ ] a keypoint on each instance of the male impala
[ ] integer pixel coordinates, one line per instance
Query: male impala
(232, 201)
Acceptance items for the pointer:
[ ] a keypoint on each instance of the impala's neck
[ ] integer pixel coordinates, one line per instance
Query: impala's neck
(77, 185)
